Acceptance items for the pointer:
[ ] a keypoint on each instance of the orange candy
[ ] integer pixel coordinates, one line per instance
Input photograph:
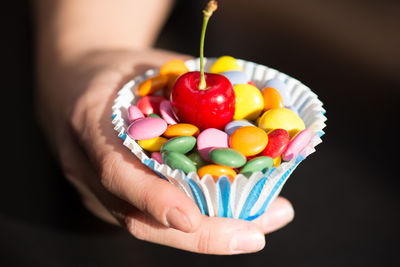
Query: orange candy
(152, 85)
(174, 66)
(172, 69)
(272, 98)
(249, 140)
(181, 129)
(216, 171)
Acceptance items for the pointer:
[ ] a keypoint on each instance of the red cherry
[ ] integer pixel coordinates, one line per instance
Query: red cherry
(212, 107)
(278, 140)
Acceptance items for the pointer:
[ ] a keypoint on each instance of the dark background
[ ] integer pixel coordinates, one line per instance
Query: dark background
(346, 195)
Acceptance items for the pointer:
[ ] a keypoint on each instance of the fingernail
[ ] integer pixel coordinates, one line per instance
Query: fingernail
(246, 242)
(178, 220)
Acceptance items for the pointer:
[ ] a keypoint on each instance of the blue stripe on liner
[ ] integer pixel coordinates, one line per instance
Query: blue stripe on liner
(198, 196)
(276, 187)
(113, 116)
(122, 136)
(252, 198)
(151, 164)
(224, 209)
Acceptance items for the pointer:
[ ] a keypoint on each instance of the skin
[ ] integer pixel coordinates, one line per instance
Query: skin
(85, 51)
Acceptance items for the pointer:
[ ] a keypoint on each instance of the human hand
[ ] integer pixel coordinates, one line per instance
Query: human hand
(74, 106)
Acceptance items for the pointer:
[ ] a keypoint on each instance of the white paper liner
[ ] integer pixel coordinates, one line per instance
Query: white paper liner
(245, 198)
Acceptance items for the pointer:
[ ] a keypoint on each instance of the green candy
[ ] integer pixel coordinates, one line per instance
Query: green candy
(227, 157)
(263, 164)
(153, 115)
(197, 159)
(180, 144)
(177, 160)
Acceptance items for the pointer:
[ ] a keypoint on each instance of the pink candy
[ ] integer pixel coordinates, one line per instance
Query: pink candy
(134, 113)
(147, 128)
(297, 144)
(157, 157)
(209, 139)
(167, 113)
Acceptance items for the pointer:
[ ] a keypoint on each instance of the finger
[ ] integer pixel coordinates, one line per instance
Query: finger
(126, 177)
(214, 236)
(279, 214)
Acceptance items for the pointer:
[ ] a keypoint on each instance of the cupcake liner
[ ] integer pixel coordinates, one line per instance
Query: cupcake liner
(244, 198)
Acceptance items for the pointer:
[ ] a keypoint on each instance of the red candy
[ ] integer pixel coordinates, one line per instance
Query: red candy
(278, 140)
(252, 83)
(150, 104)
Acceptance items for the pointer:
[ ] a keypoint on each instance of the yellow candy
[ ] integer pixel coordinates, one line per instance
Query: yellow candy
(282, 118)
(277, 161)
(249, 102)
(152, 145)
(249, 140)
(181, 129)
(225, 63)
(216, 171)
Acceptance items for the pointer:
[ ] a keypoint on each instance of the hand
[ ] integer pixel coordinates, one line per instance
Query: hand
(74, 106)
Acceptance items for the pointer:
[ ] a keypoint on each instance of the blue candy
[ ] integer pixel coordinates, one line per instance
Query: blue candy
(236, 77)
(234, 125)
(282, 89)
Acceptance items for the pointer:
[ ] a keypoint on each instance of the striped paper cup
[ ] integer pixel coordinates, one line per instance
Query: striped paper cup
(244, 198)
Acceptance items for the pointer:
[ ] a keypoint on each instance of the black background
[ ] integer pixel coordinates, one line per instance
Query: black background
(345, 195)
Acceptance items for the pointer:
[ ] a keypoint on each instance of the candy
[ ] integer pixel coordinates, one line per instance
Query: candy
(209, 139)
(181, 144)
(252, 83)
(134, 113)
(166, 112)
(249, 140)
(277, 161)
(225, 63)
(151, 85)
(278, 139)
(216, 171)
(197, 159)
(150, 104)
(172, 69)
(181, 129)
(272, 98)
(282, 118)
(297, 144)
(173, 66)
(153, 144)
(157, 157)
(282, 89)
(234, 125)
(227, 157)
(236, 77)
(147, 128)
(177, 160)
(258, 164)
(153, 115)
(249, 102)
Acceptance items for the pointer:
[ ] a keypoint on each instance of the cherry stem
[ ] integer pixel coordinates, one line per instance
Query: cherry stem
(211, 7)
